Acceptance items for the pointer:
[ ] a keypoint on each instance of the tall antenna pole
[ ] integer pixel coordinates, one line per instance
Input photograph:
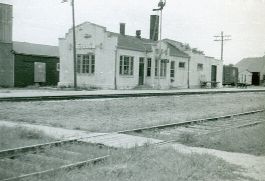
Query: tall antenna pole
(222, 39)
(161, 6)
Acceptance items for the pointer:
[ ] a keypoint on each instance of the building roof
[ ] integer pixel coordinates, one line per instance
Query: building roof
(256, 64)
(174, 48)
(174, 51)
(145, 45)
(35, 49)
(133, 43)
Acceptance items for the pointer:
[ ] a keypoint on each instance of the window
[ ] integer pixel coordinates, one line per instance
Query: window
(172, 69)
(163, 68)
(149, 66)
(156, 67)
(85, 64)
(181, 64)
(126, 65)
(199, 66)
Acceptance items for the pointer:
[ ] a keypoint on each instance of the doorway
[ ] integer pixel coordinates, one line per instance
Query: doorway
(255, 78)
(214, 73)
(141, 71)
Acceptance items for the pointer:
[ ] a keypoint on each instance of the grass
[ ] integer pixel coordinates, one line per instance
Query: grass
(17, 137)
(53, 157)
(250, 140)
(153, 164)
(118, 114)
(246, 140)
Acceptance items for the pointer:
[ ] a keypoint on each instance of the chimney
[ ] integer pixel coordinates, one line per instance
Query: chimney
(154, 27)
(138, 34)
(122, 28)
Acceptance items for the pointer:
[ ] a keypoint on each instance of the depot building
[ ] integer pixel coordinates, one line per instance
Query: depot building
(109, 60)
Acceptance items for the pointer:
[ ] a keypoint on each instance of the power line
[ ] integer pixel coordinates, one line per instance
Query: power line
(222, 39)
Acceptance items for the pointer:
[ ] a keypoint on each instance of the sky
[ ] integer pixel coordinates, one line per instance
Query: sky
(189, 21)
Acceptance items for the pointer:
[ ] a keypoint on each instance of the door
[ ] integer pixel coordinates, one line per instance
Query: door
(214, 73)
(141, 71)
(39, 72)
(255, 78)
(214, 76)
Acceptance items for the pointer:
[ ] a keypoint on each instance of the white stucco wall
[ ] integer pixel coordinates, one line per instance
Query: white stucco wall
(91, 38)
(94, 39)
(129, 81)
(181, 74)
(204, 75)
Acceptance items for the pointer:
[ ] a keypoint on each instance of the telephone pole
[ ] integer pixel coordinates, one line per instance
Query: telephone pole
(74, 41)
(222, 39)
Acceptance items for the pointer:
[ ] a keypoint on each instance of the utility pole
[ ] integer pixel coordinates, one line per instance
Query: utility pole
(222, 39)
(74, 41)
(161, 6)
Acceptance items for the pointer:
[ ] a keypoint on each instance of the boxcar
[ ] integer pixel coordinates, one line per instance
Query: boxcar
(230, 75)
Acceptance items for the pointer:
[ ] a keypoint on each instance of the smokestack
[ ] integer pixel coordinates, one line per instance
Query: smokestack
(122, 28)
(154, 27)
(138, 33)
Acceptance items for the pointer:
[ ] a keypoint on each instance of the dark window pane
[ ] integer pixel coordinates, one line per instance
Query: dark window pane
(181, 64)
(131, 66)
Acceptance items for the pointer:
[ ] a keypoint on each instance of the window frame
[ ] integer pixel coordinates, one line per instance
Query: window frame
(126, 66)
(163, 68)
(85, 64)
(182, 63)
(149, 67)
(172, 69)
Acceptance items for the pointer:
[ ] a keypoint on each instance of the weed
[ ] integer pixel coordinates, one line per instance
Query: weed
(77, 128)
(156, 164)
(245, 140)
(29, 134)
(18, 136)
(186, 138)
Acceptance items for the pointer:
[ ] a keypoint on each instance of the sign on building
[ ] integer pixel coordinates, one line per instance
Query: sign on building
(39, 72)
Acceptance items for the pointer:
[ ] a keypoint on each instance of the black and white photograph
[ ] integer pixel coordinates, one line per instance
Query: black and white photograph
(132, 90)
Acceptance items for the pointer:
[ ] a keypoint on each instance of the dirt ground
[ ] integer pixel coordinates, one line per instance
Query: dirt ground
(108, 115)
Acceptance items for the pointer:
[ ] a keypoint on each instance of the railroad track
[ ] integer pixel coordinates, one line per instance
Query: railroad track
(43, 159)
(201, 126)
(207, 128)
(192, 122)
(20, 159)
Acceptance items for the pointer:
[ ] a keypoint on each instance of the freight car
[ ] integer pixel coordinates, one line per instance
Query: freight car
(230, 75)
